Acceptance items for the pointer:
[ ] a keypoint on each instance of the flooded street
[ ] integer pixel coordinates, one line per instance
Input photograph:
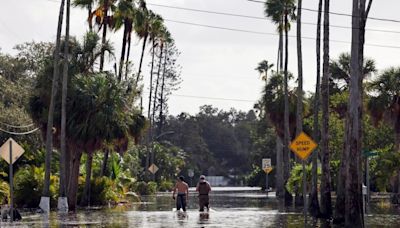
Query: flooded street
(231, 207)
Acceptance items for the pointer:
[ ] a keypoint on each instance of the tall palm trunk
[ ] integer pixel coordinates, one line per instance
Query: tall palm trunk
(85, 201)
(103, 171)
(314, 204)
(280, 188)
(157, 82)
(123, 50)
(62, 203)
(74, 162)
(326, 201)
(44, 201)
(128, 54)
(104, 37)
(286, 155)
(353, 206)
(340, 209)
(150, 134)
(150, 138)
(141, 59)
(299, 110)
(281, 47)
(161, 118)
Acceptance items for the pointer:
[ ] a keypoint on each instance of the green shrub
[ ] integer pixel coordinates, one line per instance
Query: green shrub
(28, 187)
(102, 191)
(143, 188)
(165, 186)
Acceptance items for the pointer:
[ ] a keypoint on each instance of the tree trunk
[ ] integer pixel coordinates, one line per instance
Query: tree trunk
(326, 201)
(280, 188)
(141, 59)
(103, 171)
(299, 110)
(314, 204)
(340, 209)
(85, 201)
(50, 119)
(127, 54)
(150, 135)
(157, 83)
(75, 161)
(103, 39)
(161, 118)
(353, 203)
(64, 94)
(281, 49)
(286, 156)
(122, 59)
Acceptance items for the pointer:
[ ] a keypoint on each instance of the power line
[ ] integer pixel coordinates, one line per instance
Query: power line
(272, 34)
(19, 133)
(340, 14)
(15, 126)
(261, 18)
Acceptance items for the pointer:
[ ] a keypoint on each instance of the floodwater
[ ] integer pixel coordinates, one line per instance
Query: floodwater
(231, 207)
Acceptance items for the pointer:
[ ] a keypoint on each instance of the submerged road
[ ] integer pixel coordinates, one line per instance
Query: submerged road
(231, 207)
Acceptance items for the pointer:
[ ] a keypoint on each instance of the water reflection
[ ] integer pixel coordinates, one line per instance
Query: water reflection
(230, 209)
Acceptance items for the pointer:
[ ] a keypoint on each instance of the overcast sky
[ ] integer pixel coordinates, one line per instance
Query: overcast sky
(216, 63)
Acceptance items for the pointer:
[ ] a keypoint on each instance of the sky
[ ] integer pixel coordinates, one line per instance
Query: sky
(217, 65)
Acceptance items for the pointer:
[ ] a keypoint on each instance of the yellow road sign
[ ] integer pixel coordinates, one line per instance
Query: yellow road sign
(267, 170)
(303, 146)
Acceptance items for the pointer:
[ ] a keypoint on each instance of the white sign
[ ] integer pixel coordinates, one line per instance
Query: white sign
(190, 173)
(266, 163)
(17, 151)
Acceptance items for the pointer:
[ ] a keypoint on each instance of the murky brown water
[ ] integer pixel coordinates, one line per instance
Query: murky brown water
(231, 208)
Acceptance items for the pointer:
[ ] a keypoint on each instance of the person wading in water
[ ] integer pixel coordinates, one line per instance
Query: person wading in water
(183, 193)
(203, 188)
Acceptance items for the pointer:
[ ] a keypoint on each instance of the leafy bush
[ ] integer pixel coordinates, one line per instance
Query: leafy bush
(28, 182)
(144, 188)
(102, 191)
(295, 181)
(165, 186)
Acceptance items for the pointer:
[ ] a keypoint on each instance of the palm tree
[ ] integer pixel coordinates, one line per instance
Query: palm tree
(314, 204)
(86, 4)
(353, 202)
(45, 200)
(124, 16)
(263, 68)
(62, 201)
(278, 10)
(326, 202)
(104, 21)
(164, 39)
(156, 28)
(384, 105)
(141, 28)
(340, 74)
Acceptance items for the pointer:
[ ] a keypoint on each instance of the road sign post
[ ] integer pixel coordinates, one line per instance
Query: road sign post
(10, 151)
(11, 185)
(303, 146)
(267, 167)
(191, 174)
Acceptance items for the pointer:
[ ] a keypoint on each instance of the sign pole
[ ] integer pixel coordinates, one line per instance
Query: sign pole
(304, 190)
(266, 183)
(11, 186)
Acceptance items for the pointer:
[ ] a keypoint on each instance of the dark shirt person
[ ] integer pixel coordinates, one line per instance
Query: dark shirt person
(203, 188)
(183, 193)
